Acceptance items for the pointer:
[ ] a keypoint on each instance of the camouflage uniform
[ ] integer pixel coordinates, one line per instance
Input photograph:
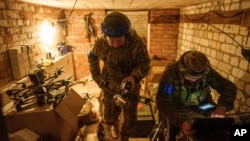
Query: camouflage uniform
(131, 59)
(179, 103)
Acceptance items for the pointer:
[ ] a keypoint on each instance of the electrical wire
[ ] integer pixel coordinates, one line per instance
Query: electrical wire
(72, 10)
(62, 20)
(225, 34)
(223, 16)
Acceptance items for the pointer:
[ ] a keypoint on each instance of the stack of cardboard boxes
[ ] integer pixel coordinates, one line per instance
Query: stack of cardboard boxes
(22, 60)
(60, 123)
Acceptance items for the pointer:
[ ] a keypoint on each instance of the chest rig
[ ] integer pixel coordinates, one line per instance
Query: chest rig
(196, 95)
(117, 63)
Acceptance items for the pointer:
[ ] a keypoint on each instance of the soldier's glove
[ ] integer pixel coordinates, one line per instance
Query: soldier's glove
(103, 84)
(131, 80)
(100, 82)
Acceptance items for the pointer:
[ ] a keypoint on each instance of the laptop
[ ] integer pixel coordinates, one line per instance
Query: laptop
(212, 129)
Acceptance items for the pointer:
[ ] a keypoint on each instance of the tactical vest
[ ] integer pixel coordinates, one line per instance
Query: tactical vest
(118, 64)
(186, 97)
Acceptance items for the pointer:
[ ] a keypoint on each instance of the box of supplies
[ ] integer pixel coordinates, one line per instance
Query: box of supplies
(58, 124)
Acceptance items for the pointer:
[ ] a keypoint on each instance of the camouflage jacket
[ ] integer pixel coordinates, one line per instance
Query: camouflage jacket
(173, 100)
(130, 59)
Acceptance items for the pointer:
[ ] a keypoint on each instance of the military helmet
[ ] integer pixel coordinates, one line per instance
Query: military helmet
(116, 24)
(194, 63)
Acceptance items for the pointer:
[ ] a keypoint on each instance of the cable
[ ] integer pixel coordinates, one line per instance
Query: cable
(223, 16)
(245, 52)
(72, 10)
(225, 34)
(62, 20)
(219, 14)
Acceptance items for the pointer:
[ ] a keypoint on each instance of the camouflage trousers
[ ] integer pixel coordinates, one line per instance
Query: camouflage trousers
(112, 111)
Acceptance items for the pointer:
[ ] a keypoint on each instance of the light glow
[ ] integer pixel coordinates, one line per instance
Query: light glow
(47, 35)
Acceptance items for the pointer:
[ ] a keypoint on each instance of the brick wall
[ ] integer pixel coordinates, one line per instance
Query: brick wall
(77, 32)
(23, 20)
(19, 25)
(163, 33)
(30, 17)
(77, 38)
(139, 21)
(223, 53)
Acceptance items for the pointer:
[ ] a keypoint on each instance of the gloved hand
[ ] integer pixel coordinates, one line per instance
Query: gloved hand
(100, 82)
(131, 80)
(219, 112)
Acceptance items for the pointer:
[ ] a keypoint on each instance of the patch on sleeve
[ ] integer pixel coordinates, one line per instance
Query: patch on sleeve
(167, 89)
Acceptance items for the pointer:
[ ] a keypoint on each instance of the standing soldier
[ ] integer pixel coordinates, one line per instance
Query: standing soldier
(125, 59)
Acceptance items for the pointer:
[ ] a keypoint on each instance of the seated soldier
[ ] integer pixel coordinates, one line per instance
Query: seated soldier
(185, 85)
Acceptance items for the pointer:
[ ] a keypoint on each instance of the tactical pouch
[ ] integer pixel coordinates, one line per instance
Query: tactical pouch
(86, 115)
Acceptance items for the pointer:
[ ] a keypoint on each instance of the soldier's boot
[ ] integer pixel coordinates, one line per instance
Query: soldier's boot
(124, 138)
(114, 132)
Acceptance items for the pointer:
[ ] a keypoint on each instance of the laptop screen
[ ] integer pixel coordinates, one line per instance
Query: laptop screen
(212, 129)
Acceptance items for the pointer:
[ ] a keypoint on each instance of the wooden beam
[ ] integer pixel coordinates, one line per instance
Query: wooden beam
(237, 17)
(246, 18)
(167, 19)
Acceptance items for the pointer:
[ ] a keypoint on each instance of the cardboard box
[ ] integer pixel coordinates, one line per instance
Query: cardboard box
(66, 62)
(17, 68)
(18, 74)
(15, 50)
(32, 62)
(24, 48)
(60, 123)
(16, 57)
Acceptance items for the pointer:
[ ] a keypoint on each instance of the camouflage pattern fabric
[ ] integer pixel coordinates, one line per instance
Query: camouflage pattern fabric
(131, 59)
(181, 103)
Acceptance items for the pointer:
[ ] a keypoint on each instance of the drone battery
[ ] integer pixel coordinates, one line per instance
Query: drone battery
(37, 77)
